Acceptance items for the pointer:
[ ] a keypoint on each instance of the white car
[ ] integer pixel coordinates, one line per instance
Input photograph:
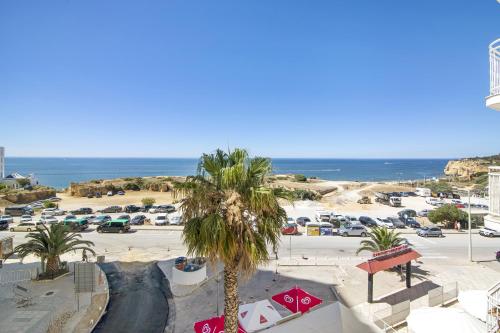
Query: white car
(433, 201)
(487, 232)
(161, 219)
(174, 219)
(47, 219)
(385, 223)
(7, 218)
(26, 218)
(53, 211)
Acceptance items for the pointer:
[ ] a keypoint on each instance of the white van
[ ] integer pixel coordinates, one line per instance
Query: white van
(433, 201)
(423, 192)
(323, 216)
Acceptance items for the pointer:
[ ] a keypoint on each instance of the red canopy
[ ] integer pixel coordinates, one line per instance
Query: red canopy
(213, 325)
(376, 265)
(297, 300)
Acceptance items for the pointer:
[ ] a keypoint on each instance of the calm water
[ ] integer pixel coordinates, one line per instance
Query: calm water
(59, 172)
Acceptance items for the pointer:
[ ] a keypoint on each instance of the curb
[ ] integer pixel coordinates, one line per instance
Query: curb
(170, 326)
(103, 312)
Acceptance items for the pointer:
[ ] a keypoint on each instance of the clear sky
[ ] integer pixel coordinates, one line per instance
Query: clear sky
(387, 78)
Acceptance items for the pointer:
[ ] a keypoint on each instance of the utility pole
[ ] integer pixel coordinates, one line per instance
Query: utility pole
(470, 228)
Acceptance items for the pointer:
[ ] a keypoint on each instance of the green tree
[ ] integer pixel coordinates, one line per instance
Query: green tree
(300, 178)
(231, 216)
(448, 215)
(49, 244)
(23, 182)
(49, 204)
(148, 201)
(381, 239)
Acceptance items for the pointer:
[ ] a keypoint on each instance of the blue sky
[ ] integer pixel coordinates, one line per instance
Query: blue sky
(282, 78)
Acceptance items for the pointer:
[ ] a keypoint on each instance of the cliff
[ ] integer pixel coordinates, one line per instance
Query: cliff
(467, 168)
(22, 197)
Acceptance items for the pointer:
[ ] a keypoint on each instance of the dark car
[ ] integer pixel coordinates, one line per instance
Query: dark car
(303, 220)
(146, 208)
(407, 213)
(120, 193)
(124, 217)
(4, 224)
(139, 220)
(112, 209)
(82, 211)
(100, 219)
(132, 209)
(397, 222)
(76, 224)
(367, 221)
(117, 226)
(69, 217)
(411, 222)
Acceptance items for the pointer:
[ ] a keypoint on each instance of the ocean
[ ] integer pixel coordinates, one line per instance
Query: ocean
(59, 172)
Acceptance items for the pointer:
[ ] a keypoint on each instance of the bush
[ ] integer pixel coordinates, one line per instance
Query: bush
(132, 187)
(148, 201)
(49, 204)
(23, 182)
(448, 215)
(300, 178)
(440, 186)
(306, 195)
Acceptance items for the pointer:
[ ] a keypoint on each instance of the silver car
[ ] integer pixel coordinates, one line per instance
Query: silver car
(353, 230)
(487, 232)
(430, 232)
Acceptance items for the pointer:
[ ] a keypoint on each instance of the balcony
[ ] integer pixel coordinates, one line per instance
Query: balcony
(493, 100)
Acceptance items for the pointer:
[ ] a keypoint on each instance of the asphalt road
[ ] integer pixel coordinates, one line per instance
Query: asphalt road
(138, 301)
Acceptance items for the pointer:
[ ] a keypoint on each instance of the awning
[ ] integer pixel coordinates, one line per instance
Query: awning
(376, 265)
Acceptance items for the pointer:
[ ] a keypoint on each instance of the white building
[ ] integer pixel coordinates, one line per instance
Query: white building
(492, 220)
(2, 162)
(12, 179)
(493, 99)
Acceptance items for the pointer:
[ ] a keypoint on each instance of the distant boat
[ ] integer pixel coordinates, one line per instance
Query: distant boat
(387, 163)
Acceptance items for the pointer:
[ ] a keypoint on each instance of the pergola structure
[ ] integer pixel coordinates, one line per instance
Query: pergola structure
(387, 259)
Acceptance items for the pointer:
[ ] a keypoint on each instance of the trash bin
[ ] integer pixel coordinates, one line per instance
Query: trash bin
(312, 229)
(326, 229)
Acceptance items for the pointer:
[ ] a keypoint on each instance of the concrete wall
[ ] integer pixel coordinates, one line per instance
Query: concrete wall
(189, 278)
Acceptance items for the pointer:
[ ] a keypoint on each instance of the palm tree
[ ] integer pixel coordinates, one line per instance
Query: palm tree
(231, 216)
(50, 243)
(381, 239)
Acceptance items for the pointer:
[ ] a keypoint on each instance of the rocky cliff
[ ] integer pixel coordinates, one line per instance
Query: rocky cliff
(28, 196)
(466, 168)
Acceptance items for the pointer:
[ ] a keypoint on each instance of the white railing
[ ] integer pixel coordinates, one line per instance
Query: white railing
(495, 68)
(493, 316)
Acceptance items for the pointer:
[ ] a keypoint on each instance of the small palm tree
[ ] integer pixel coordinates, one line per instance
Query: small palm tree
(381, 239)
(231, 216)
(50, 243)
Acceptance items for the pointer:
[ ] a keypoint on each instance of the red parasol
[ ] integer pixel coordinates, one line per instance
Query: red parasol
(297, 300)
(213, 325)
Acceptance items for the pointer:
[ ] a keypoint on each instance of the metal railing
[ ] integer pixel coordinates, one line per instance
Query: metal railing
(443, 294)
(389, 318)
(495, 68)
(493, 316)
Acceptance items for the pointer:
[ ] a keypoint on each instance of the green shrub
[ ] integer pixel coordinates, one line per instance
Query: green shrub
(447, 215)
(49, 204)
(23, 182)
(300, 178)
(148, 201)
(132, 187)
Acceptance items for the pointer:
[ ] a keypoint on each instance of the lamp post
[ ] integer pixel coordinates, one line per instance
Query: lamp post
(470, 227)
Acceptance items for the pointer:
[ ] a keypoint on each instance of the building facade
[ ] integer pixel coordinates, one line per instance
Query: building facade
(492, 220)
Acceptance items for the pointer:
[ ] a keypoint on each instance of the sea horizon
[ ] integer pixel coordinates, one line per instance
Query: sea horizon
(59, 172)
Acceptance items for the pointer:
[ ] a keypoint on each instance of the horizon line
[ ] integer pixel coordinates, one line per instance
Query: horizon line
(275, 157)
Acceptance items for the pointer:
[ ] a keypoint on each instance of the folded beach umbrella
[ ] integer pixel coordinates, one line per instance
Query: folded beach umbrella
(257, 316)
(213, 325)
(297, 300)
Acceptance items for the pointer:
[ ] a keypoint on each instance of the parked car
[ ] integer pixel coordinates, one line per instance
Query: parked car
(132, 209)
(53, 211)
(26, 227)
(302, 220)
(433, 201)
(76, 224)
(119, 226)
(112, 209)
(82, 211)
(407, 213)
(162, 209)
(19, 210)
(367, 221)
(353, 230)
(53, 199)
(146, 208)
(4, 224)
(174, 219)
(487, 232)
(424, 212)
(100, 219)
(139, 220)
(430, 232)
(397, 222)
(26, 218)
(69, 217)
(161, 219)
(412, 223)
(120, 193)
(7, 218)
(385, 223)
(124, 217)
(47, 219)
(290, 229)
(110, 193)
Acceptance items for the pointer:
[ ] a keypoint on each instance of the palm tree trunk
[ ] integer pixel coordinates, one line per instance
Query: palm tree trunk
(52, 265)
(231, 298)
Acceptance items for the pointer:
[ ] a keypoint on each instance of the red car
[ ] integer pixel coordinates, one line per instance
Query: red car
(290, 229)
(460, 205)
